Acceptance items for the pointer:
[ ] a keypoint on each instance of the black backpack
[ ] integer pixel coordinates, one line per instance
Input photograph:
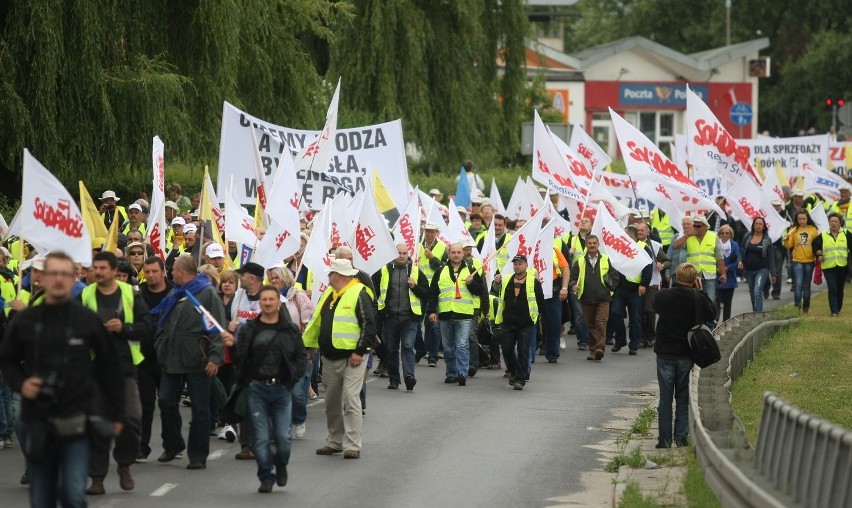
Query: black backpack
(705, 349)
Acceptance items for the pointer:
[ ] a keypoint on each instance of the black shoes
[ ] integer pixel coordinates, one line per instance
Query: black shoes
(633, 352)
(451, 380)
(265, 487)
(471, 371)
(168, 456)
(616, 349)
(519, 385)
(281, 476)
(462, 381)
(196, 465)
(410, 382)
(551, 360)
(393, 385)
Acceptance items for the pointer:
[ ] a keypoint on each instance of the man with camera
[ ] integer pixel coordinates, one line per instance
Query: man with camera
(45, 356)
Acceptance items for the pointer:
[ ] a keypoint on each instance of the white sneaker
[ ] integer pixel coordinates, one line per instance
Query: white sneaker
(299, 431)
(562, 345)
(228, 434)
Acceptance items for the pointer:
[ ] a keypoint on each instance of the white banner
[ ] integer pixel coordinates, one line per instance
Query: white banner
(406, 229)
(837, 151)
(523, 241)
(455, 228)
(787, 151)
(496, 200)
(516, 201)
(549, 165)
(819, 217)
(372, 244)
(239, 226)
(623, 252)
(316, 256)
(279, 243)
(747, 201)
(50, 218)
(542, 258)
(819, 179)
(584, 145)
(156, 227)
(380, 146)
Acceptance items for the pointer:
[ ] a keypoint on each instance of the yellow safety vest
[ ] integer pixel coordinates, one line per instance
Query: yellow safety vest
(90, 300)
(848, 219)
(502, 255)
(127, 228)
(447, 301)
(573, 242)
(423, 262)
(25, 296)
(638, 278)
(416, 308)
(530, 291)
(345, 331)
(7, 292)
(834, 252)
(702, 255)
(477, 265)
(122, 214)
(603, 260)
(663, 227)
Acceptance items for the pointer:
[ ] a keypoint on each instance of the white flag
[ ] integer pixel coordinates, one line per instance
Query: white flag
(433, 215)
(215, 207)
(710, 145)
(549, 165)
(372, 244)
(4, 228)
(624, 254)
(489, 255)
(523, 241)
(14, 228)
(456, 229)
(747, 201)
(429, 205)
(600, 194)
(277, 244)
(817, 213)
(542, 258)
(579, 170)
(50, 219)
(586, 147)
(820, 180)
(533, 201)
(496, 200)
(516, 201)
(284, 195)
(315, 155)
(239, 226)
(406, 229)
(156, 227)
(339, 220)
(771, 186)
(561, 227)
(316, 256)
(260, 174)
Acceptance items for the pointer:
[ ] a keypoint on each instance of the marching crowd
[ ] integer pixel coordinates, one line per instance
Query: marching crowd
(88, 352)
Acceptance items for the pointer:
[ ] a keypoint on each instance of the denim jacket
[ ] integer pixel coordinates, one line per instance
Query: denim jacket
(766, 248)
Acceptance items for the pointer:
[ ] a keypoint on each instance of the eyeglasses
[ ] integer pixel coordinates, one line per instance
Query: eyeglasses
(136, 253)
(699, 226)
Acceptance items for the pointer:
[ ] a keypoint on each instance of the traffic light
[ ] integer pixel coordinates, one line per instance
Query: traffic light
(831, 102)
(840, 103)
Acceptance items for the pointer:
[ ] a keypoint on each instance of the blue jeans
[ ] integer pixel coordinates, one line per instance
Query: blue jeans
(267, 402)
(709, 288)
(7, 418)
(627, 297)
(552, 324)
(579, 323)
(68, 460)
(673, 378)
(432, 337)
(455, 334)
(803, 274)
(198, 386)
(757, 281)
(398, 331)
(533, 347)
(300, 397)
(835, 281)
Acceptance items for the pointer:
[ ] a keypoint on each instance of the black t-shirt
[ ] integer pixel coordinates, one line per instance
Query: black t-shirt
(109, 306)
(265, 356)
(152, 299)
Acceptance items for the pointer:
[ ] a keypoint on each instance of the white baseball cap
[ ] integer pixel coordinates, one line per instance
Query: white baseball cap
(178, 221)
(190, 228)
(214, 250)
(134, 206)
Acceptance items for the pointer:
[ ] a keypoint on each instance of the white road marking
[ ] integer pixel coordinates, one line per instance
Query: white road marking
(164, 489)
(216, 454)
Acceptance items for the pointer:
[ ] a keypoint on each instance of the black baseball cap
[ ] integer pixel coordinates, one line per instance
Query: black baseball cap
(519, 257)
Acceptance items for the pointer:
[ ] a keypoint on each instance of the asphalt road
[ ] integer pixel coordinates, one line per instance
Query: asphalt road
(441, 445)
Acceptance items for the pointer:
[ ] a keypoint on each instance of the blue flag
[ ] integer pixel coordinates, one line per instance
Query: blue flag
(463, 190)
(207, 320)
(245, 254)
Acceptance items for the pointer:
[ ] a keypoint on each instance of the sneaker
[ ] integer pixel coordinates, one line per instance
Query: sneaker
(409, 383)
(228, 434)
(265, 487)
(312, 394)
(582, 347)
(281, 476)
(142, 458)
(8, 442)
(451, 380)
(512, 380)
(562, 345)
(245, 454)
(125, 479)
(327, 450)
(352, 454)
(441, 355)
(462, 380)
(789, 280)
(519, 386)
(298, 432)
(393, 385)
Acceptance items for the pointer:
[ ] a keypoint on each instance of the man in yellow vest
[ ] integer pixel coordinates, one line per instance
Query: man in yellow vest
(630, 296)
(479, 303)
(576, 243)
(590, 275)
(832, 250)
(451, 296)
(661, 222)
(343, 328)
(8, 281)
(135, 219)
(400, 289)
(128, 320)
(110, 210)
(704, 251)
(433, 254)
(521, 299)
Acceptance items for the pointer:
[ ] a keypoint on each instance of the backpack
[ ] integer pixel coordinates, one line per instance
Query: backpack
(705, 349)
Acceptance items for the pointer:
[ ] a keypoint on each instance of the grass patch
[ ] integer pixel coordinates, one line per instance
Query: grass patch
(669, 457)
(634, 459)
(633, 498)
(807, 365)
(643, 421)
(698, 493)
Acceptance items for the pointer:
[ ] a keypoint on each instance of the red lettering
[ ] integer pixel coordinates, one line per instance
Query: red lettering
(750, 210)
(407, 231)
(619, 242)
(716, 136)
(578, 168)
(155, 238)
(662, 190)
(335, 235)
(279, 240)
(294, 201)
(161, 172)
(363, 236)
(246, 314)
(542, 166)
(658, 163)
(59, 217)
(247, 225)
(261, 195)
(312, 150)
(523, 249)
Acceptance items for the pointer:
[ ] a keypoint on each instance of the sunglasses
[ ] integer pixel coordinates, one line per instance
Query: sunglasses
(699, 226)
(136, 253)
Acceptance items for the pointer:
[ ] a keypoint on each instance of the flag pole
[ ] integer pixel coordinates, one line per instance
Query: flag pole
(20, 264)
(636, 198)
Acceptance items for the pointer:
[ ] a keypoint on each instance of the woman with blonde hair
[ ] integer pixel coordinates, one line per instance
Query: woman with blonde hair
(300, 308)
(730, 253)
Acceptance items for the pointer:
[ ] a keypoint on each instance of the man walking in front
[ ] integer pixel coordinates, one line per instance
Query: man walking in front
(521, 297)
(126, 318)
(588, 276)
(46, 357)
(451, 296)
(188, 352)
(343, 327)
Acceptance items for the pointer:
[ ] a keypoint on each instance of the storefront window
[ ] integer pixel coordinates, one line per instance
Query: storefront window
(648, 124)
(666, 124)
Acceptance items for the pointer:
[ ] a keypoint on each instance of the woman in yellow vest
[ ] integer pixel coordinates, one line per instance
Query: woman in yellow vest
(832, 250)
(800, 238)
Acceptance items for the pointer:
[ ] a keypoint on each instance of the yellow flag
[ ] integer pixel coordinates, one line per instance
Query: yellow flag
(848, 148)
(91, 215)
(205, 213)
(259, 220)
(111, 244)
(779, 171)
(383, 198)
(759, 168)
